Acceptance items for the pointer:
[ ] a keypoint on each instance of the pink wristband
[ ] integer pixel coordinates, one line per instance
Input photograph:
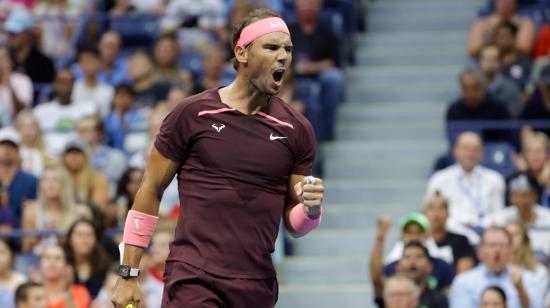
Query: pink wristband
(300, 222)
(139, 228)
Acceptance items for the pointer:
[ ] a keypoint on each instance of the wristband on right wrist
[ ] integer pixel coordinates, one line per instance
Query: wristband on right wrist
(299, 220)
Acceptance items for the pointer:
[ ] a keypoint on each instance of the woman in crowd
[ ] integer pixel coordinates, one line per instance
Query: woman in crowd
(9, 279)
(32, 150)
(89, 185)
(54, 210)
(55, 270)
(523, 255)
(86, 255)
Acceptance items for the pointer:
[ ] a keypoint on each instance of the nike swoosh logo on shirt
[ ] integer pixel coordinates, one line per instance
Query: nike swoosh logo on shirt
(271, 137)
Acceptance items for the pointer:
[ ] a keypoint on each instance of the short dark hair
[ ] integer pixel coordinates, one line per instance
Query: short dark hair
(419, 245)
(88, 50)
(497, 289)
(22, 291)
(255, 15)
(125, 88)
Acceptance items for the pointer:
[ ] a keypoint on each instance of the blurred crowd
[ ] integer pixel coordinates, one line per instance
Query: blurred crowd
(482, 236)
(84, 88)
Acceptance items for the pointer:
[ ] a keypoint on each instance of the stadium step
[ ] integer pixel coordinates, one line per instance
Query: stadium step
(389, 130)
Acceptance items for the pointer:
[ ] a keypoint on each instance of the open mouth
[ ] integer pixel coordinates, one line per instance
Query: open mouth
(278, 74)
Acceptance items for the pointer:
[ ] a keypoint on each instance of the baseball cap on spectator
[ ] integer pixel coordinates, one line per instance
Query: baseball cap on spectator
(74, 145)
(10, 136)
(415, 218)
(18, 21)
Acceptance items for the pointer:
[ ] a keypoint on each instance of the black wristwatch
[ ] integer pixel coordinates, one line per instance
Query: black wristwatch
(127, 272)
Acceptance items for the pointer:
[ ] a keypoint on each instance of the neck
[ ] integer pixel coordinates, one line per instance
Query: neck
(55, 285)
(526, 216)
(5, 274)
(7, 173)
(143, 82)
(243, 96)
(53, 204)
(467, 170)
(308, 26)
(23, 52)
(438, 234)
(81, 260)
(90, 81)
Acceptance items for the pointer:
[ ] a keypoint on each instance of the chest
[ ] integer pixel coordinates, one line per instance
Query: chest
(245, 144)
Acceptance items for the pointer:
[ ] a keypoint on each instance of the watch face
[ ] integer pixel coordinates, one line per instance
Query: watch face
(124, 271)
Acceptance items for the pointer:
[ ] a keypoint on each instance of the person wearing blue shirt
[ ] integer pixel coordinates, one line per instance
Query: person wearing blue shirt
(18, 185)
(495, 269)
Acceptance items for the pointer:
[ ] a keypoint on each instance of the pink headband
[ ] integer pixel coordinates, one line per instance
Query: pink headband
(261, 27)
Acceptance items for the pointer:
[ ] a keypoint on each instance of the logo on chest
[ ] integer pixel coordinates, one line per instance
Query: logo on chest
(218, 127)
(273, 137)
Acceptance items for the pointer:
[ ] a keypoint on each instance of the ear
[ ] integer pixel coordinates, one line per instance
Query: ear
(241, 54)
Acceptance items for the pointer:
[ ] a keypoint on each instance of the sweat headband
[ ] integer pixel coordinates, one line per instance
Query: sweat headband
(261, 27)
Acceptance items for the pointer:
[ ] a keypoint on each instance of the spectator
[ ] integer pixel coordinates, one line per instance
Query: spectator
(526, 210)
(127, 188)
(86, 255)
(149, 6)
(9, 278)
(149, 92)
(89, 88)
(15, 89)
(89, 185)
(55, 270)
(499, 86)
(534, 161)
(316, 55)
(57, 118)
(195, 22)
(401, 292)
(165, 54)
(213, 66)
(31, 295)
(523, 256)
(505, 11)
(472, 190)
(114, 67)
(475, 104)
(21, 42)
(416, 265)
(436, 209)
(57, 21)
(495, 255)
(160, 247)
(538, 105)
(515, 65)
(54, 210)
(493, 297)
(416, 227)
(105, 159)
(124, 118)
(175, 96)
(441, 270)
(19, 185)
(32, 150)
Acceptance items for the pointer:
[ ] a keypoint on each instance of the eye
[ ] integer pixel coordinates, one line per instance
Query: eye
(288, 49)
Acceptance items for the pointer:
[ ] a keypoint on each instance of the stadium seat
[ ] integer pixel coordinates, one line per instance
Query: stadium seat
(136, 30)
(498, 156)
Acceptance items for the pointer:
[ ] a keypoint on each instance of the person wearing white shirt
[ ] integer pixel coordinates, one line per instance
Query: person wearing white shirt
(473, 191)
(523, 195)
(58, 118)
(89, 88)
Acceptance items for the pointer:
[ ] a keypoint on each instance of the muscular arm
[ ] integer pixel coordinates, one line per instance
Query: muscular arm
(158, 174)
(475, 38)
